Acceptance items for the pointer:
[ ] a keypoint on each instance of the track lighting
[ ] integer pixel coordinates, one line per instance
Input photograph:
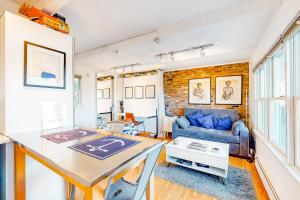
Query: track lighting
(171, 57)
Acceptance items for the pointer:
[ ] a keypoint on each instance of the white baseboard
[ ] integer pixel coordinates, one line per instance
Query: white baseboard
(266, 181)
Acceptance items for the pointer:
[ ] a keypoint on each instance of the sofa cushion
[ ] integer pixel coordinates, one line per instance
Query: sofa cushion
(224, 123)
(192, 117)
(209, 134)
(206, 121)
(183, 122)
(215, 112)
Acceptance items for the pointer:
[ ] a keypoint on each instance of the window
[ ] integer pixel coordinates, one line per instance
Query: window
(77, 85)
(261, 99)
(295, 51)
(277, 98)
(278, 106)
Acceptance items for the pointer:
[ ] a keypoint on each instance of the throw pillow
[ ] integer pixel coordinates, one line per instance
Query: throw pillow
(192, 117)
(206, 121)
(183, 122)
(224, 123)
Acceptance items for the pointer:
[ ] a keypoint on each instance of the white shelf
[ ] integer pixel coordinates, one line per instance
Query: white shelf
(210, 169)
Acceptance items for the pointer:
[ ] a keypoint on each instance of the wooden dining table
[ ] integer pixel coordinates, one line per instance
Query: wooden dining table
(78, 169)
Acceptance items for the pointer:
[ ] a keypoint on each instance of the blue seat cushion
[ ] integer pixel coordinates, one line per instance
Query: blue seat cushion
(224, 123)
(224, 136)
(183, 122)
(192, 117)
(206, 121)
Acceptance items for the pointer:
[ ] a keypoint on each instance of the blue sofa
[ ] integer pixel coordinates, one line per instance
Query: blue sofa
(239, 141)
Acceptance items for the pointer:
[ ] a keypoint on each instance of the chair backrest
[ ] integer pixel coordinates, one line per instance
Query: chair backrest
(129, 117)
(150, 156)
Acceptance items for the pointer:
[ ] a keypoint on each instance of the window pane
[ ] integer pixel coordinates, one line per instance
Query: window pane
(261, 116)
(76, 91)
(297, 63)
(278, 124)
(298, 132)
(262, 80)
(297, 94)
(279, 74)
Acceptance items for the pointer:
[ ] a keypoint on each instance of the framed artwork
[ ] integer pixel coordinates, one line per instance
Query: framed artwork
(106, 93)
(150, 91)
(44, 67)
(229, 90)
(199, 91)
(139, 92)
(99, 93)
(128, 92)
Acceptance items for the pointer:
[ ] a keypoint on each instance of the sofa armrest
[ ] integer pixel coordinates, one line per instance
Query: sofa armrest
(175, 130)
(241, 129)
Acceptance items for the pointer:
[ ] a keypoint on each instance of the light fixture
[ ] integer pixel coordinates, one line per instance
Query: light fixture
(171, 54)
(202, 53)
(172, 58)
(125, 68)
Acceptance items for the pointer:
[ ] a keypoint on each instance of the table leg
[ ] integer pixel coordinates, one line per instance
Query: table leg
(88, 194)
(150, 188)
(20, 181)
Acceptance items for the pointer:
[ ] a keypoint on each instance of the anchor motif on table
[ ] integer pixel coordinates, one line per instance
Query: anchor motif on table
(101, 148)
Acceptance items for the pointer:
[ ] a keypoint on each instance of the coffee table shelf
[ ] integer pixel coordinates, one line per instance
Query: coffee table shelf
(215, 163)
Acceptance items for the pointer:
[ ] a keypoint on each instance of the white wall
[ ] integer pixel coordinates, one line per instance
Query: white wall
(104, 105)
(142, 107)
(85, 113)
(23, 104)
(280, 173)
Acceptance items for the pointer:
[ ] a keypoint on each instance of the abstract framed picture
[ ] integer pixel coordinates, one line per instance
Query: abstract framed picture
(229, 90)
(199, 91)
(150, 91)
(44, 67)
(106, 93)
(139, 92)
(129, 92)
(99, 93)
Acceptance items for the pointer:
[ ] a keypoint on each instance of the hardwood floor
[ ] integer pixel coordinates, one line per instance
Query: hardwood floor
(165, 190)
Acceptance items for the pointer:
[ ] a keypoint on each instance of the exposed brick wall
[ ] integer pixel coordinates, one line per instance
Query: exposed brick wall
(176, 86)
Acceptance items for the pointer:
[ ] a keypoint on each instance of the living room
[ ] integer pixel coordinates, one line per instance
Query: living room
(149, 99)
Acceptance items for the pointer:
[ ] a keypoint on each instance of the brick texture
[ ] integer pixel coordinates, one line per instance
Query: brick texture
(176, 87)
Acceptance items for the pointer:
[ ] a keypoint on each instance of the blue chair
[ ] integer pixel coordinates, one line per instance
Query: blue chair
(124, 190)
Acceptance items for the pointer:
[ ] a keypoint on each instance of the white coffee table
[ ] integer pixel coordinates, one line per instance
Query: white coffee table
(212, 162)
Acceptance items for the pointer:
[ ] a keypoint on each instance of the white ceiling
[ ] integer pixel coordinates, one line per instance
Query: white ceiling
(102, 27)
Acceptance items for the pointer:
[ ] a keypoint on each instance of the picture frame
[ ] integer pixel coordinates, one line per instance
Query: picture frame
(229, 90)
(44, 67)
(99, 93)
(106, 93)
(199, 91)
(129, 92)
(150, 91)
(139, 92)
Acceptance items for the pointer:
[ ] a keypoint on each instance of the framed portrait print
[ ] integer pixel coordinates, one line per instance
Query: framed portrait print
(139, 92)
(44, 67)
(106, 93)
(128, 92)
(99, 94)
(150, 91)
(199, 91)
(229, 90)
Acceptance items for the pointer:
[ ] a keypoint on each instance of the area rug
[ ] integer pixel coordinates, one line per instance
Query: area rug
(239, 182)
